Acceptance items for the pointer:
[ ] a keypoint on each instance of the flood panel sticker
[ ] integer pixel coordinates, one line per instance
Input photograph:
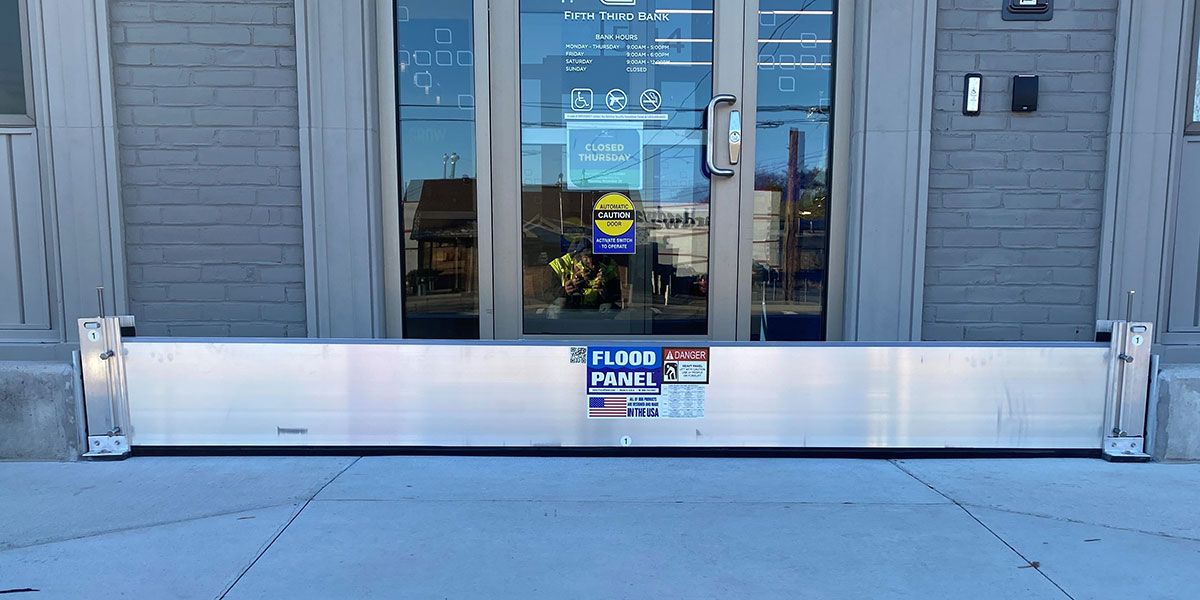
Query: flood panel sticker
(638, 382)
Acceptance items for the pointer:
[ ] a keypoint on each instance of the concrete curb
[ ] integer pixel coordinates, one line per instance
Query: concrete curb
(39, 412)
(1178, 432)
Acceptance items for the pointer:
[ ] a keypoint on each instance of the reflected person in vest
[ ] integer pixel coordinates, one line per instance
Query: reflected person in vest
(587, 283)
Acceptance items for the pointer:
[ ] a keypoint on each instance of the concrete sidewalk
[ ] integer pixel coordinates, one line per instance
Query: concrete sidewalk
(468, 527)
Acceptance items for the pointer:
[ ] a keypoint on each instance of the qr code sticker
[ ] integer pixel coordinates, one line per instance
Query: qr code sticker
(578, 354)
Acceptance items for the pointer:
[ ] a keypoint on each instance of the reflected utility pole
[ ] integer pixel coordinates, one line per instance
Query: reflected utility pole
(791, 216)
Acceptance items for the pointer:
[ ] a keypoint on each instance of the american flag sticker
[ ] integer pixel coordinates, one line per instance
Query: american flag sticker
(606, 406)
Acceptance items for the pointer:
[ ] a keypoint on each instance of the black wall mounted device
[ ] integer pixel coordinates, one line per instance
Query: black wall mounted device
(1024, 93)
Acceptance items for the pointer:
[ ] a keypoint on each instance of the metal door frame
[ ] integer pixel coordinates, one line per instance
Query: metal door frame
(505, 139)
(748, 104)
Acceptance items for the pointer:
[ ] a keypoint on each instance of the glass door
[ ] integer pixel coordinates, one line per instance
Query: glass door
(590, 169)
(619, 183)
(788, 97)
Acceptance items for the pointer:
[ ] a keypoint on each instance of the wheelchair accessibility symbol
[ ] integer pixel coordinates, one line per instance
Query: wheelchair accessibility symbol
(581, 99)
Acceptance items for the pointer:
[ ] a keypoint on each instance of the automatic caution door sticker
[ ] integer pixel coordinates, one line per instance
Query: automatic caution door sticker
(613, 225)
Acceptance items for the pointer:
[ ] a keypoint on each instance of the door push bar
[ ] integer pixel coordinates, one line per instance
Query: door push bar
(734, 138)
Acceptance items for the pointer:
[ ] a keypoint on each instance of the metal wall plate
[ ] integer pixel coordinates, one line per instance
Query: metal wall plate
(107, 447)
(1026, 10)
(1125, 449)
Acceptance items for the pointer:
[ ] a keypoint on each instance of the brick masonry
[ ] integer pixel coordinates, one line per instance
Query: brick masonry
(1015, 200)
(208, 133)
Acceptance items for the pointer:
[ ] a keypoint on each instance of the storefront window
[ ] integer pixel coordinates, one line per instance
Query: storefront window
(435, 93)
(14, 84)
(791, 174)
(614, 200)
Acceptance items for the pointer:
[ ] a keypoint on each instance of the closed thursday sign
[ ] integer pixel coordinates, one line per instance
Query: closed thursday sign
(604, 158)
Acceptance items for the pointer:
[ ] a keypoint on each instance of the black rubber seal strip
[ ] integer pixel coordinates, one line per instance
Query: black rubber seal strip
(605, 451)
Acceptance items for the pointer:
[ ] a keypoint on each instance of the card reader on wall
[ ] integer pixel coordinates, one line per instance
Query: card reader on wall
(1024, 93)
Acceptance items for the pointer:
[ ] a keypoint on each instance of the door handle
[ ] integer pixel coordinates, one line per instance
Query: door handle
(710, 150)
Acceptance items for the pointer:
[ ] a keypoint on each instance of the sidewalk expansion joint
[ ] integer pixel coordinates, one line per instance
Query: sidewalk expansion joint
(278, 533)
(226, 513)
(1010, 511)
(1029, 563)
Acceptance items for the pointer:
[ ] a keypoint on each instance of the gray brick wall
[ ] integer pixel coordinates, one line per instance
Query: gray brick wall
(1015, 200)
(210, 171)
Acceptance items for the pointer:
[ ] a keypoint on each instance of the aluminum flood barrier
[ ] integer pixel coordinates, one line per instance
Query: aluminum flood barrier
(245, 392)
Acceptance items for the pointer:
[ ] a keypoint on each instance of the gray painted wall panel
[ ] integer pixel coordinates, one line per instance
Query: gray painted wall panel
(1145, 164)
(1183, 303)
(1016, 200)
(24, 286)
(209, 150)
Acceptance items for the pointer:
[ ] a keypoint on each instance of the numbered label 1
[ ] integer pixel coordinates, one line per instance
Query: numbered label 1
(626, 441)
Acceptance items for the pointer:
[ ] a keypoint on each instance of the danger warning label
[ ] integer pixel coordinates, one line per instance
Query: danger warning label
(685, 365)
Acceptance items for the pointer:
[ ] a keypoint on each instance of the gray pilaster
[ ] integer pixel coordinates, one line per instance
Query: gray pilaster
(889, 164)
(1143, 157)
(77, 127)
(339, 149)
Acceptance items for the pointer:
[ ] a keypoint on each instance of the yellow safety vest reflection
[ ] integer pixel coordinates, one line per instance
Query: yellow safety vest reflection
(563, 266)
(567, 265)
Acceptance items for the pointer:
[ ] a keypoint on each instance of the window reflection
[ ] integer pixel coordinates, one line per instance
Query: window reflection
(435, 91)
(791, 175)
